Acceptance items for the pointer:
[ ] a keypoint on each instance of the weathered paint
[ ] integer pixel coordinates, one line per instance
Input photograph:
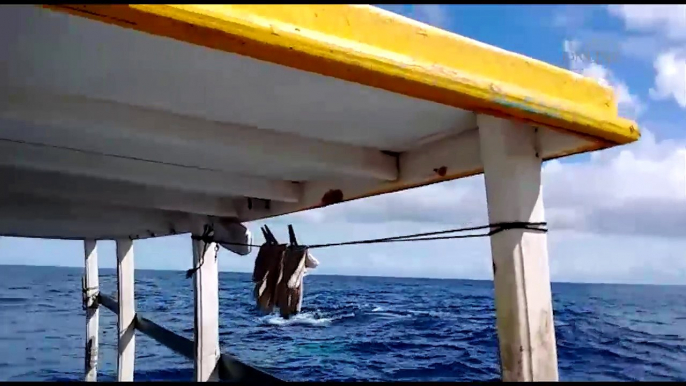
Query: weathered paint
(521, 273)
(91, 290)
(126, 315)
(206, 312)
(373, 47)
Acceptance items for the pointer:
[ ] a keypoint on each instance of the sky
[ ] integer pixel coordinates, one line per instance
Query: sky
(615, 216)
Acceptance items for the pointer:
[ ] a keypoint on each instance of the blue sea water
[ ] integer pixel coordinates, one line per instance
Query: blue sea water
(351, 329)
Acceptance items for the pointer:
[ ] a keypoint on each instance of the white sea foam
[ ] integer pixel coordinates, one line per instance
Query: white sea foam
(303, 319)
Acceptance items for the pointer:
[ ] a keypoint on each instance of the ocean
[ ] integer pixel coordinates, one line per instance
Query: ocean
(351, 329)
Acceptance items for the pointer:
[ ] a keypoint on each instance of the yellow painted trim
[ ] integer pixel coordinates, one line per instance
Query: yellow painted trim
(373, 47)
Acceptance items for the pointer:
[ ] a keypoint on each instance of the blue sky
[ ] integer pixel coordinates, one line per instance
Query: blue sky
(615, 216)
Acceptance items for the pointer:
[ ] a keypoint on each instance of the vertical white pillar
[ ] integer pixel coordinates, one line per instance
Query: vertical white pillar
(126, 344)
(91, 290)
(206, 329)
(512, 172)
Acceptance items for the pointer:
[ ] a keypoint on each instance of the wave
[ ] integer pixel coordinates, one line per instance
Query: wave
(351, 329)
(301, 319)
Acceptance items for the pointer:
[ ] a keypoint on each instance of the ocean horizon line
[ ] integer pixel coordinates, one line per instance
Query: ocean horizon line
(358, 276)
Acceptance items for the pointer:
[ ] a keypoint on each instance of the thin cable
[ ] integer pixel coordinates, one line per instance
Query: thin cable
(494, 229)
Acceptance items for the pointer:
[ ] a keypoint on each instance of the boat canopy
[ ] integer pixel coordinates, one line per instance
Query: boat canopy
(143, 120)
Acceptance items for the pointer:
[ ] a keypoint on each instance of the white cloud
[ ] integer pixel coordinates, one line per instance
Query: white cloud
(606, 258)
(668, 19)
(572, 16)
(638, 189)
(613, 45)
(436, 15)
(629, 104)
(670, 80)
(665, 27)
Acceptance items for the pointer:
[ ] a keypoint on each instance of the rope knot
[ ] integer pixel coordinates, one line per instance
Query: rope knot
(89, 295)
(206, 238)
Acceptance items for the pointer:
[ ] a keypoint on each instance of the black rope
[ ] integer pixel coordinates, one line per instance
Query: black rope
(87, 296)
(494, 229)
(206, 237)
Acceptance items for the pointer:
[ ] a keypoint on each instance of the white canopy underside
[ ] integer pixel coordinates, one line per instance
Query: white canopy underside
(107, 132)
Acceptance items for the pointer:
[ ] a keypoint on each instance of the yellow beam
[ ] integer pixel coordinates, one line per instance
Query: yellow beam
(373, 47)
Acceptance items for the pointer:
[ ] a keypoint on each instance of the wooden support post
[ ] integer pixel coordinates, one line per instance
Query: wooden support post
(90, 292)
(206, 328)
(126, 327)
(512, 171)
